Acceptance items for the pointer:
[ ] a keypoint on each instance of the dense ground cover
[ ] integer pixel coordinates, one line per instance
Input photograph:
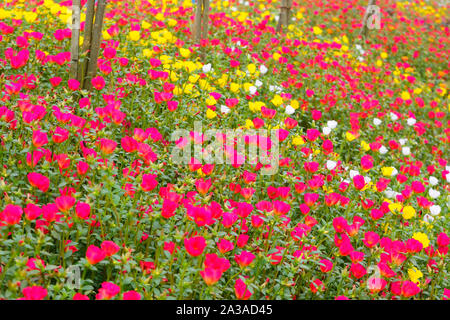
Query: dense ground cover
(356, 208)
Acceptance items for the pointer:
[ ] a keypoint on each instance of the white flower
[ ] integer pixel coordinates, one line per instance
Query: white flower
(383, 150)
(394, 172)
(252, 89)
(272, 88)
(332, 124)
(411, 121)
(447, 177)
(353, 173)
(394, 117)
(389, 192)
(263, 69)
(258, 83)
(433, 181)
(376, 121)
(435, 210)
(361, 59)
(406, 151)
(427, 218)
(331, 164)
(206, 68)
(326, 131)
(434, 193)
(367, 180)
(402, 141)
(224, 109)
(289, 110)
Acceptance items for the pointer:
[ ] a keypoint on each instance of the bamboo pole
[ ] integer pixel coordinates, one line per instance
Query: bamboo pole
(95, 45)
(87, 40)
(75, 39)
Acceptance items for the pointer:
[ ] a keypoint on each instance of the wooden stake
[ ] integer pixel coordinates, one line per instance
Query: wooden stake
(196, 30)
(363, 30)
(95, 46)
(87, 40)
(75, 39)
(205, 18)
(285, 14)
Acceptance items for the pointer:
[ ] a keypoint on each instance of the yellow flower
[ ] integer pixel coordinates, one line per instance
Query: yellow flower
(317, 30)
(422, 238)
(185, 53)
(387, 171)
(210, 114)
(276, 56)
(251, 68)
(415, 274)
(383, 55)
(395, 207)
(147, 53)
(249, 124)
(295, 104)
(349, 136)
(234, 87)
(277, 100)
(172, 22)
(408, 212)
(379, 63)
(406, 95)
(298, 141)
(210, 101)
(146, 25)
(134, 35)
(365, 146)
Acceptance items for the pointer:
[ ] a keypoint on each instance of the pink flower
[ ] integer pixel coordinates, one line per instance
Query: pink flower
(326, 265)
(94, 254)
(11, 215)
(39, 181)
(109, 248)
(107, 291)
(34, 293)
(244, 259)
(131, 295)
(195, 245)
(98, 82)
(73, 84)
(241, 291)
(79, 296)
(83, 210)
